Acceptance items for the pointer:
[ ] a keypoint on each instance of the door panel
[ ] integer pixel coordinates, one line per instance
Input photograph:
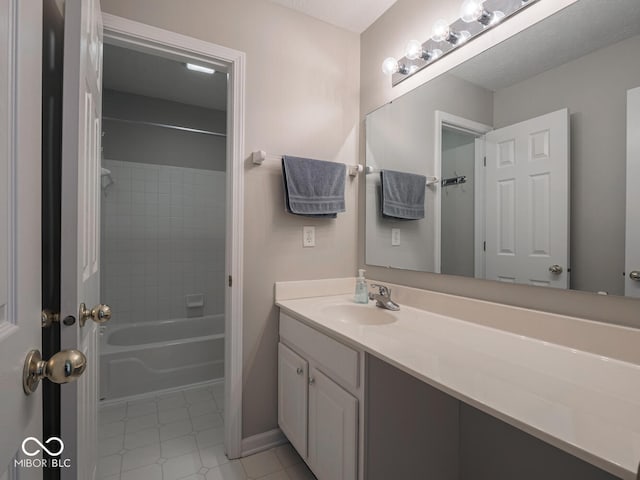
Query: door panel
(632, 249)
(527, 201)
(20, 226)
(80, 275)
(292, 397)
(333, 427)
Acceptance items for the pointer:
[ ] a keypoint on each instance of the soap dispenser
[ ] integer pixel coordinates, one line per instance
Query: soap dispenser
(362, 292)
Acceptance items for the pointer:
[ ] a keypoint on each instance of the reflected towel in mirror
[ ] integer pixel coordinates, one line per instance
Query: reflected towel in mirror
(402, 194)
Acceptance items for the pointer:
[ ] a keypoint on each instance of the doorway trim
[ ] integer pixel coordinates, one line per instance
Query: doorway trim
(444, 119)
(136, 35)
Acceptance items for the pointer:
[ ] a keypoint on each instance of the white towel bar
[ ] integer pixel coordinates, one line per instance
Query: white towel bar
(260, 156)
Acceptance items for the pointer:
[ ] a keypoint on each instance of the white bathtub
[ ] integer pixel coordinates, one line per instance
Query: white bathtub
(151, 356)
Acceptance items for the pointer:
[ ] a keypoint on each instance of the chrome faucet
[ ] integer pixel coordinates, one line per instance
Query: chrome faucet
(383, 298)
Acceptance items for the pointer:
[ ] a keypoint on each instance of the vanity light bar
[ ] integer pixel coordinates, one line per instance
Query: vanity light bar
(476, 17)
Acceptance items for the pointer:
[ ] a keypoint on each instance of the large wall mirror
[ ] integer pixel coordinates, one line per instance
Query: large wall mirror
(530, 154)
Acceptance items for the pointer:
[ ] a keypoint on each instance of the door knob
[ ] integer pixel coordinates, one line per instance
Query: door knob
(555, 269)
(635, 275)
(64, 367)
(100, 313)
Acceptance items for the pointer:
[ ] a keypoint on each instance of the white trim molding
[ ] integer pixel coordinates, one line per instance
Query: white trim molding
(262, 441)
(128, 33)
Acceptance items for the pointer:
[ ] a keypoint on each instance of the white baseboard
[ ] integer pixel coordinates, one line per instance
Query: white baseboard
(262, 441)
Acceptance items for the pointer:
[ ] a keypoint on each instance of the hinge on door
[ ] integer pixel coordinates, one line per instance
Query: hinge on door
(48, 317)
(485, 161)
(230, 281)
(484, 246)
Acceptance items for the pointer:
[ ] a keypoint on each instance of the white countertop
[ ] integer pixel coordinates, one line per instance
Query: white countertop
(582, 403)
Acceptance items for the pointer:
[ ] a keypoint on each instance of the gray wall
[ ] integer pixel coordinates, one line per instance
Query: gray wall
(130, 142)
(387, 36)
(458, 204)
(302, 99)
(400, 136)
(594, 88)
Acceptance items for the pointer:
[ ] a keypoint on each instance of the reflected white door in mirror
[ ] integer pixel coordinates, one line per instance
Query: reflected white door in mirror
(527, 202)
(632, 252)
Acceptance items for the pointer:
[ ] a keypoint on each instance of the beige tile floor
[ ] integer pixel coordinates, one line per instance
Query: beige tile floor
(179, 436)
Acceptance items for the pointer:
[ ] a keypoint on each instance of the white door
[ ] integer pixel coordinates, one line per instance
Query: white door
(632, 251)
(527, 202)
(80, 275)
(20, 228)
(292, 397)
(333, 427)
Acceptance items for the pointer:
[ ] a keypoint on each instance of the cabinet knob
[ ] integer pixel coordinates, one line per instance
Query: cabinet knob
(312, 381)
(299, 371)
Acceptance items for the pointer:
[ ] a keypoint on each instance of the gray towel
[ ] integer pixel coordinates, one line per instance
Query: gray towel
(402, 194)
(313, 188)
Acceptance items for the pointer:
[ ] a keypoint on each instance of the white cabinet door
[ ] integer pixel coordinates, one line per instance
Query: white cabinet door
(333, 429)
(293, 372)
(80, 259)
(527, 201)
(632, 254)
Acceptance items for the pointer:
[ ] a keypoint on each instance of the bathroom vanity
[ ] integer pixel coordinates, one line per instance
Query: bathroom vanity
(482, 391)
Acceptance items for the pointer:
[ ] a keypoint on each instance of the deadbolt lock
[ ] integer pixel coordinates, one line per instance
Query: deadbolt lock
(100, 313)
(63, 367)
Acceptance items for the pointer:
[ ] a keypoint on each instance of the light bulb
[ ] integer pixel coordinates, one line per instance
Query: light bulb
(413, 50)
(440, 31)
(390, 66)
(435, 53)
(471, 10)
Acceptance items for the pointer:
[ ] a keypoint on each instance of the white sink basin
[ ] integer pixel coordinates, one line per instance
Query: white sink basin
(359, 314)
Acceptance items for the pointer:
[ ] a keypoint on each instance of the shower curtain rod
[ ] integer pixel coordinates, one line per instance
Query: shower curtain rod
(164, 125)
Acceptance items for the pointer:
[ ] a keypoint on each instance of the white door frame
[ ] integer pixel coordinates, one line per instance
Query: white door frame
(444, 119)
(131, 34)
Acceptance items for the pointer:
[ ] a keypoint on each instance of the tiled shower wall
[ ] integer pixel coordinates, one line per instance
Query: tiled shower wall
(163, 237)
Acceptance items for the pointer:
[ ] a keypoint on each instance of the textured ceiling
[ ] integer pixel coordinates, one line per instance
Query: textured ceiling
(135, 72)
(354, 15)
(579, 29)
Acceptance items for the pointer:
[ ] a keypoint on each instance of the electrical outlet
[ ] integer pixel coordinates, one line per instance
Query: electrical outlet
(395, 237)
(308, 236)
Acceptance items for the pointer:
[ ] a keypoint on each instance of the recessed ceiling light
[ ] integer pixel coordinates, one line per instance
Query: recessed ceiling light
(200, 68)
